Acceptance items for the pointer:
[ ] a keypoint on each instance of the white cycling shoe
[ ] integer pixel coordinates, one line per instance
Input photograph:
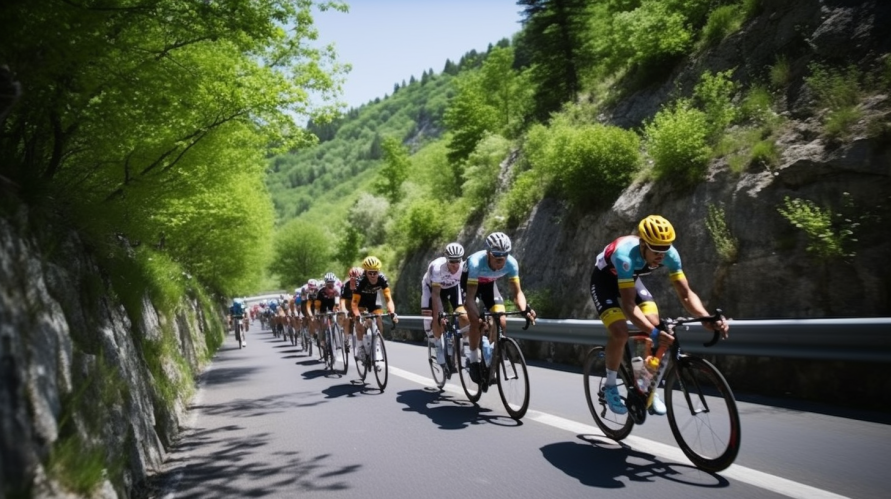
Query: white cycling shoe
(658, 406)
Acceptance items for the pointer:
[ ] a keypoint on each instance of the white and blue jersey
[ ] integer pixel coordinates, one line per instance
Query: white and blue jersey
(479, 272)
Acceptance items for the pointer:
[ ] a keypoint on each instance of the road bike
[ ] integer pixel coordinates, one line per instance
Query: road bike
(375, 358)
(507, 366)
(334, 351)
(236, 324)
(451, 340)
(702, 411)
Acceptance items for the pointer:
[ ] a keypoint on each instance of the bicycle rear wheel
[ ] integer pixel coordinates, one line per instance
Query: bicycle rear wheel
(471, 389)
(614, 426)
(379, 360)
(513, 378)
(436, 369)
(702, 413)
(238, 334)
(328, 351)
(361, 366)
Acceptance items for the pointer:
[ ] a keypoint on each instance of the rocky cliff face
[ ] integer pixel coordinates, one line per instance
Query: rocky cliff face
(773, 275)
(76, 390)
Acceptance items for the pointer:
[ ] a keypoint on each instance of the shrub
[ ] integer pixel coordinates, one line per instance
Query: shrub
(780, 73)
(419, 225)
(835, 88)
(482, 169)
(676, 139)
(591, 164)
(714, 93)
(722, 21)
(650, 34)
(726, 245)
(757, 106)
(521, 198)
(824, 240)
(765, 153)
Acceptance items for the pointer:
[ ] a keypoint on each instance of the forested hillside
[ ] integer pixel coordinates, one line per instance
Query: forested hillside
(593, 103)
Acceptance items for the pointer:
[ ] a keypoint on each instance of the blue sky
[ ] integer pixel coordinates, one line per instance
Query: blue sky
(388, 41)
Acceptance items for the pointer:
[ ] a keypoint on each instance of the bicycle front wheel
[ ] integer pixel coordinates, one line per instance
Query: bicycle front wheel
(436, 369)
(361, 366)
(471, 389)
(379, 360)
(341, 358)
(702, 413)
(614, 426)
(513, 378)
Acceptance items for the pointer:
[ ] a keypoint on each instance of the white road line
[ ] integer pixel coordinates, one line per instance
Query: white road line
(766, 481)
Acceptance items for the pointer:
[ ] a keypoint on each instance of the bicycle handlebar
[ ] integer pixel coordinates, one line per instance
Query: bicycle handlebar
(524, 313)
(671, 324)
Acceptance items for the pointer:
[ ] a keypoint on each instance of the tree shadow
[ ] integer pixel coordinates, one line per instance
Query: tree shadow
(447, 412)
(246, 408)
(226, 462)
(605, 464)
(225, 375)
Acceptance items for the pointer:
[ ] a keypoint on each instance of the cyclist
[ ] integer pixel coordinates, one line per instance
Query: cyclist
(308, 294)
(440, 284)
(236, 313)
(482, 269)
(346, 299)
(365, 299)
(327, 300)
(619, 295)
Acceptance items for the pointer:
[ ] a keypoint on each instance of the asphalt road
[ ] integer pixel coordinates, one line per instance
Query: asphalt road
(269, 421)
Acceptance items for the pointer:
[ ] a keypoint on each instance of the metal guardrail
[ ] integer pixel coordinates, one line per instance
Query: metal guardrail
(863, 340)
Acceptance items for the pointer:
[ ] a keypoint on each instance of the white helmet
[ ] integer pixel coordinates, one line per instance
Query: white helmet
(313, 284)
(498, 242)
(454, 251)
(330, 277)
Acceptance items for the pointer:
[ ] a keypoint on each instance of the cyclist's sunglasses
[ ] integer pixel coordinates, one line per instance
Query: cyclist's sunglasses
(658, 249)
(454, 260)
(500, 254)
(372, 272)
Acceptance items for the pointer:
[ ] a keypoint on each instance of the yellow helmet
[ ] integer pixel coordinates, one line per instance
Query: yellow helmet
(371, 263)
(656, 231)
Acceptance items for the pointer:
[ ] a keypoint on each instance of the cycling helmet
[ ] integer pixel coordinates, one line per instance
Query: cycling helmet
(296, 290)
(238, 300)
(371, 263)
(454, 251)
(330, 277)
(656, 231)
(498, 242)
(356, 272)
(312, 284)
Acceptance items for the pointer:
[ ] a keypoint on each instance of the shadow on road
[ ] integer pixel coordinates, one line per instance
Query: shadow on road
(249, 408)
(226, 462)
(609, 465)
(447, 412)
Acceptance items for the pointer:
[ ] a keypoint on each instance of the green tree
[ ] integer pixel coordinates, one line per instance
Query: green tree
(553, 33)
(394, 171)
(346, 253)
(129, 107)
(302, 251)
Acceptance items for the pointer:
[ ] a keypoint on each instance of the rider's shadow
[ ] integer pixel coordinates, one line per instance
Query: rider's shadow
(608, 465)
(344, 390)
(448, 413)
(315, 373)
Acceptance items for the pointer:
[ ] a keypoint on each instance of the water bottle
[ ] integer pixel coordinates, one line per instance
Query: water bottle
(640, 373)
(652, 364)
(487, 350)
